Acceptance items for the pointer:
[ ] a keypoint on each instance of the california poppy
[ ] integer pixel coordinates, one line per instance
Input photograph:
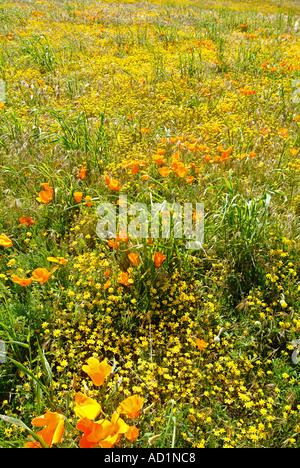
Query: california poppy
(21, 281)
(113, 244)
(53, 430)
(113, 184)
(159, 159)
(107, 284)
(78, 196)
(97, 371)
(86, 407)
(5, 241)
(131, 406)
(180, 169)
(88, 201)
(26, 221)
(42, 275)
(132, 433)
(158, 259)
(164, 171)
(201, 344)
(82, 173)
(94, 432)
(134, 258)
(124, 279)
(46, 195)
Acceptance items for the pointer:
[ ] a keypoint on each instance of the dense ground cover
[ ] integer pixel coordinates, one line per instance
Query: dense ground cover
(136, 342)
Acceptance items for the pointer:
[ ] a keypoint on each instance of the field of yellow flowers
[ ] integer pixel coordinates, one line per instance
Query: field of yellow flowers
(142, 343)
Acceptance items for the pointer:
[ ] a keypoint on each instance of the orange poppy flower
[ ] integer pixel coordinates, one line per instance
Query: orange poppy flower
(46, 195)
(26, 221)
(134, 258)
(86, 407)
(132, 433)
(284, 133)
(78, 196)
(113, 244)
(189, 179)
(122, 236)
(107, 273)
(164, 171)
(114, 185)
(120, 426)
(87, 200)
(181, 170)
(94, 432)
(82, 173)
(124, 279)
(5, 241)
(158, 259)
(201, 344)
(42, 275)
(53, 430)
(107, 284)
(226, 154)
(158, 159)
(97, 371)
(131, 406)
(21, 281)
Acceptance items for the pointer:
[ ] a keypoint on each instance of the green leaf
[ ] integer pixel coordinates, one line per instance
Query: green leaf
(18, 422)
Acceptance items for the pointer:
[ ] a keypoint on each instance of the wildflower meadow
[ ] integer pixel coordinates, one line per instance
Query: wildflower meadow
(149, 224)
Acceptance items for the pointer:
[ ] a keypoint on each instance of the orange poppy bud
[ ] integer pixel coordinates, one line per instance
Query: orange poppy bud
(158, 259)
(134, 258)
(107, 284)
